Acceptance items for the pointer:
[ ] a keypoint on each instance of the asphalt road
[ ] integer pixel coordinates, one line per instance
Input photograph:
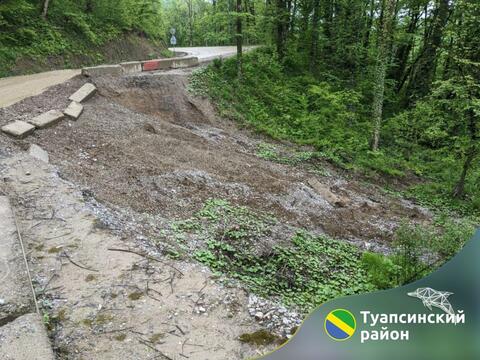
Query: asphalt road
(208, 53)
(16, 88)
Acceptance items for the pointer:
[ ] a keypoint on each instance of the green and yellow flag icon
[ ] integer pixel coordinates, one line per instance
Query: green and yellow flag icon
(340, 324)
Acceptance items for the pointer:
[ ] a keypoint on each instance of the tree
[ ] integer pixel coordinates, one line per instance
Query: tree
(422, 72)
(239, 37)
(46, 4)
(383, 50)
(315, 34)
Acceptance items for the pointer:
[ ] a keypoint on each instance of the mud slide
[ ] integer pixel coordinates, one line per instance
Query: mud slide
(146, 153)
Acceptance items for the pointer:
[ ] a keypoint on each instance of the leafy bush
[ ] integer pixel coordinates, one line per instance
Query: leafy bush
(382, 270)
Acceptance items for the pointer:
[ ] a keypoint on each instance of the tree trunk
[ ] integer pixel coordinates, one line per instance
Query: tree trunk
(281, 27)
(315, 34)
(291, 26)
(46, 4)
(89, 7)
(368, 26)
(403, 52)
(383, 37)
(190, 22)
(423, 73)
(239, 37)
(459, 189)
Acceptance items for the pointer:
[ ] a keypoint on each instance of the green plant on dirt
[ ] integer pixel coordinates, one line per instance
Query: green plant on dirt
(305, 271)
(70, 29)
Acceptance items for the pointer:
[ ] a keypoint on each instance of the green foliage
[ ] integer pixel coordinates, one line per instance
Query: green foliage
(417, 251)
(411, 245)
(296, 108)
(69, 29)
(382, 271)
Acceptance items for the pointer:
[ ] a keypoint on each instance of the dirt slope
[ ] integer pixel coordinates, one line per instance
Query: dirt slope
(144, 153)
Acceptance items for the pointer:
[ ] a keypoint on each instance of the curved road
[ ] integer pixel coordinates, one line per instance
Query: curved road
(16, 88)
(207, 53)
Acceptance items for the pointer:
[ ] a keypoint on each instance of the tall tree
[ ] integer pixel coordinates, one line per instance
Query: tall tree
(46, 5)
(281, 26)
(422, 73)
(239, 38)
(315, 34)
(383, 50)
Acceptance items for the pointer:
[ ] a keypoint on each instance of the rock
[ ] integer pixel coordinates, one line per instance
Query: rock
(84, 93)
(149, 128)
(74, 110)
(259, 315)
(2, 302)
(47, 119)
(25, 339)
(38, 153)
(19, 129)
(327, 194)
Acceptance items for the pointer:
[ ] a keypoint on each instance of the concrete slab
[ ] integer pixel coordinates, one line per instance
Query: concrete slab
(74, 110)
(25, 339)
(19, 129)
(184, 62)
(103, 70)
(15, 292)
(38, 153)
(159, 64)
(84, 93)
(49, 118)
(131, 67)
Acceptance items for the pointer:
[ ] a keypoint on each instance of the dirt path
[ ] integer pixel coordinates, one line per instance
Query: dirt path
(16, 88)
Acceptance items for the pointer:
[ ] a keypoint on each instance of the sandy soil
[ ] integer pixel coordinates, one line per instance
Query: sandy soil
(144, 153)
